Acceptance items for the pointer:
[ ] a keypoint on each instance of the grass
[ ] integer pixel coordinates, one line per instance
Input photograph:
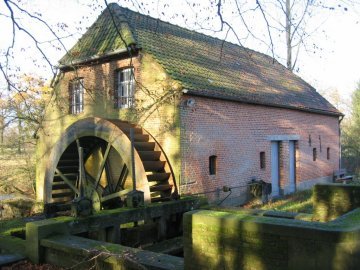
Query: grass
(17, 173)
(17, 179)
(299, 202)
(8, 226)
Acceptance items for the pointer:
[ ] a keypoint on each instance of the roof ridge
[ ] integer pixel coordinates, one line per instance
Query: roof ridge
(199, 33)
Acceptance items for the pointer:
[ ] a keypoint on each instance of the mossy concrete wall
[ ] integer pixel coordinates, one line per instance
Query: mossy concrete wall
(38, 230)
(333, 200)
(223, 240)
(81, 253)
(156, 107)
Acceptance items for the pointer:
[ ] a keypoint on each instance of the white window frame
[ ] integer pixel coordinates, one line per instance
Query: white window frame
(77, 96)
(125, 87)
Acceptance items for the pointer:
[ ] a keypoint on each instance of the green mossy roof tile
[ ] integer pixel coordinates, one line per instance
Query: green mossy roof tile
(204, 65)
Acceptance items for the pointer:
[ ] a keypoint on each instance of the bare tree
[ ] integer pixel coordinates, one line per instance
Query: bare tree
(291, 19)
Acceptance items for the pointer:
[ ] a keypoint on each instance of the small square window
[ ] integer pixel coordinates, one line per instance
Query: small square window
(314, 154)
(328, 153)
(77, 96)
(212, 165)
(262, 160)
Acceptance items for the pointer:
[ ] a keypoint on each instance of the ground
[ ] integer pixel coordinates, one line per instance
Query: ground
(17, 172)
(299, 202)
(17, 182)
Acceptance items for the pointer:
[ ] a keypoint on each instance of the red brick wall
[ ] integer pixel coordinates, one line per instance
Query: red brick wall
(160, 119)
(236, 133)
(99, 84)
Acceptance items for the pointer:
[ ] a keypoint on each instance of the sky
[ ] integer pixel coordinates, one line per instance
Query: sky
(333, 66)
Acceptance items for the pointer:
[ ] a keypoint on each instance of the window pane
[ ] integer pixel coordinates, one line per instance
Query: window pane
(126, 87)
(77, 96)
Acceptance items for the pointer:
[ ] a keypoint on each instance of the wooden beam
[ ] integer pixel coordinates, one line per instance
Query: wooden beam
(91, 181)
(102, 165)
(67, 181)
(122, 177)
(115, 195)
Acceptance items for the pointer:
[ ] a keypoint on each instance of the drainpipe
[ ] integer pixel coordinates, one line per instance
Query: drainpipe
(340, 119)
(133, 158)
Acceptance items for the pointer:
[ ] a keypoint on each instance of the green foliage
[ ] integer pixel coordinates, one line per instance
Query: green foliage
(350, 138)
(12, 225)
(334, 200)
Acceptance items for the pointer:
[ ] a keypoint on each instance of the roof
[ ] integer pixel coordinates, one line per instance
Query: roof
(204, 65)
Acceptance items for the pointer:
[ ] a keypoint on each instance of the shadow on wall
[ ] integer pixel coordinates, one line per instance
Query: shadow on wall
(221, 240)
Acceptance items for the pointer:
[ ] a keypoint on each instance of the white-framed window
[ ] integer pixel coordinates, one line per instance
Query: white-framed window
(125, 88)
(77, 96)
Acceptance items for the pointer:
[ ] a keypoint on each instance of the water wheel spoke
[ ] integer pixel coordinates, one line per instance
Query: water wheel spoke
(122, 178)
(91, 181)
(115, 195)
(67, 181)
(102, 165)
(109, 178)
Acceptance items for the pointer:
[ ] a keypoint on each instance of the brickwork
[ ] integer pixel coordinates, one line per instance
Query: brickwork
(236, 133)
(156, 99)
(99, 84)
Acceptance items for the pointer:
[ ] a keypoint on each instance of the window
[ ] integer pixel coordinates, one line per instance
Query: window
(314, 154)
(328, 153)
(76, 96)
(262, 160)
(212, 165)
(125, 88)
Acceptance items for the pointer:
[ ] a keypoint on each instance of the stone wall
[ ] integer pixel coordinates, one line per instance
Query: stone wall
(236, 133)
(224, 240)
(333, 200)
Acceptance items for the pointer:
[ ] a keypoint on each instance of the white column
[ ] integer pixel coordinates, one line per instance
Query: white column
(275, 168)
(292, 166)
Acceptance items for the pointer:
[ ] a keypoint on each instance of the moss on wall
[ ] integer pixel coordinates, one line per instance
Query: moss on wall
(223, 240)
(333, 200)
(156, 107)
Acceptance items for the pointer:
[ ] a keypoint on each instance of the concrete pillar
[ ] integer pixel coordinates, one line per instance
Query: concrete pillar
(292, 167)
(275, 168)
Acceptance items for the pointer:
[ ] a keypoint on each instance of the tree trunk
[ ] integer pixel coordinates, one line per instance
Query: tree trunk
(288, 36)
(19, 136)
(2, 129)
(2, 139)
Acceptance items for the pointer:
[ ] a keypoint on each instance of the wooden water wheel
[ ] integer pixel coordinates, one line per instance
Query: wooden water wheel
(98, 152)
